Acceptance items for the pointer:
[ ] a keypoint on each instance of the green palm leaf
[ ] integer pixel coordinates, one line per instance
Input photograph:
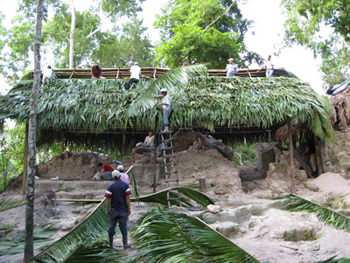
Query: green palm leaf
(175, 77)
(297, 204)
(165, 236)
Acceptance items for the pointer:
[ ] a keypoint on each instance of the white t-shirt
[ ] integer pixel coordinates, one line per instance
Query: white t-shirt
(166, 100)
(268, 64)
(135, 72)
(149, 140)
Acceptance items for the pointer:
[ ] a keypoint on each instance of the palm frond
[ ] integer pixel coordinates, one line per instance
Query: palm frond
(6, 204)
(187, 195)
(176, 77)
(326, 215)
(164, 236)
(15, 244)
(93, 226)
(335, 260)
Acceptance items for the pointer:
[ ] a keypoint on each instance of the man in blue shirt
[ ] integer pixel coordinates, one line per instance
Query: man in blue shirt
(231, 68)
(118, 207)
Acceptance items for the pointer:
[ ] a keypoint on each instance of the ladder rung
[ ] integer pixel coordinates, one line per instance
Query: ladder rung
(169, 156)
(167, 148)
(167, 132)
(171, 181)
(175, 172)
(168, 140)
(170, 164)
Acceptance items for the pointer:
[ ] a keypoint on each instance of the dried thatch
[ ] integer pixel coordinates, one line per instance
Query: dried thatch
(103, 105)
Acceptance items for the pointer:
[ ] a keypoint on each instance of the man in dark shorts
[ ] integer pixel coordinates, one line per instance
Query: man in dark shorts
(118, 208)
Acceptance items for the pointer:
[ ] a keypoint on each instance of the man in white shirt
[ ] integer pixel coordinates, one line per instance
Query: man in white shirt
(135, 71)
(268, 66)
(231, 68)
(166, 103)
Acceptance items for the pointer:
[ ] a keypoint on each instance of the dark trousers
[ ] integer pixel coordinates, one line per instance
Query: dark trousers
(122, 217)
(130, 82)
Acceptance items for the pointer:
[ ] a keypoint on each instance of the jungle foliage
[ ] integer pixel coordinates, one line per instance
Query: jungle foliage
(307, 19)
(203, 31)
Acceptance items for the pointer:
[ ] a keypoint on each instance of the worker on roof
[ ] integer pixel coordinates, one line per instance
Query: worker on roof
(231, 68)
(135, 71)
(96, 72)
(166, 103)
(118, 208)
(268, 66)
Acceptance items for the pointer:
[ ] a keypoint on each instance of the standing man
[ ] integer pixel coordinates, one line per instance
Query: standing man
(268, 66)
(123, 176)
(166, 103)
(118, 208)
(135, 71)
(231, 68)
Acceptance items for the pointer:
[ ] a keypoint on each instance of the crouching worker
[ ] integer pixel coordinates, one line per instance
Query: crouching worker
(118, 208)
(105, 172)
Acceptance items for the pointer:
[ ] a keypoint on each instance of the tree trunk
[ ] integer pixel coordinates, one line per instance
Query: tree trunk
(71, 37)
(291, 160)
(25, 161)
(28, 249)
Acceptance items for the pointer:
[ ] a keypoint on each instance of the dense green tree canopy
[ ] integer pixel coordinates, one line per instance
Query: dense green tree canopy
(307, 20)
(93, 43)
(202, 31)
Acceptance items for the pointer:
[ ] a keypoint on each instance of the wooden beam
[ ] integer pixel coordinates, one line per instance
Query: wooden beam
(155, 141)
(62, 141)
(318, 156)
(291, 159)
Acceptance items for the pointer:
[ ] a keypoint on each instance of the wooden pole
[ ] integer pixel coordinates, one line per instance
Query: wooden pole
(318, 156)
(62, 141)
(25, 162)
(291, 164)
(155, 183)
(124, 142)
(269, 133)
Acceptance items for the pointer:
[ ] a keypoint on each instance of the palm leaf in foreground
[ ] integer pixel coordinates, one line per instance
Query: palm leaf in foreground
(187, 196)
(6, 204)
(165, 236)
(92, 227)
(326, 215)
(335, 260)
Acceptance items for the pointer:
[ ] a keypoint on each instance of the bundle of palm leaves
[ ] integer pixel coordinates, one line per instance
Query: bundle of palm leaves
(165, 236)
(326, 215)
(6, 204)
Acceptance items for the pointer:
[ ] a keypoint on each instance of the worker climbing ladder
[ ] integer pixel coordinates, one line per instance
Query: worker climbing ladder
(171, 172)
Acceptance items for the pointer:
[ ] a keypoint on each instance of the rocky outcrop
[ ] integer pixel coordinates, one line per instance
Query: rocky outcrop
(72, 166)
(336, 156)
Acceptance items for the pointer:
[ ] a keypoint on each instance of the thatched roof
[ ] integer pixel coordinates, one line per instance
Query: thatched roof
(87, 105)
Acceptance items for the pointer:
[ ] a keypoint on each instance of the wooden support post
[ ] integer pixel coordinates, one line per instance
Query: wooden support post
(318, 156)
(117, 77)
(155, 141)
(124, 142)
(155, 73)
(202, 184)
(62, 141)
(291, 164)
(25, 162)
(270, 138)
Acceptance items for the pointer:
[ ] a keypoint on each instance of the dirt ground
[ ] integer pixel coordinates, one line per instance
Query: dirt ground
(250, 219)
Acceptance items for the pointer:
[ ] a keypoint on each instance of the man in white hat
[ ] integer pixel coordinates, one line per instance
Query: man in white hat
(166, 103)
(118, 208)
(123, 176)
(231, 68)
(135, 71)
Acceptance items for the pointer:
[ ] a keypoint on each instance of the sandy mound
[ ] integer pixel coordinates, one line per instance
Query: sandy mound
(331, 182)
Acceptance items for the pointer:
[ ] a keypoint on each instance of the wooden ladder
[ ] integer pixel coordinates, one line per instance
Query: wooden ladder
(171, 172)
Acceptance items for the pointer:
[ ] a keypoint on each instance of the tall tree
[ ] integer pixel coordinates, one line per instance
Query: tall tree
(132, 45)
(72, 35)
(308, 20)
(28, 249)
(203, 31)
